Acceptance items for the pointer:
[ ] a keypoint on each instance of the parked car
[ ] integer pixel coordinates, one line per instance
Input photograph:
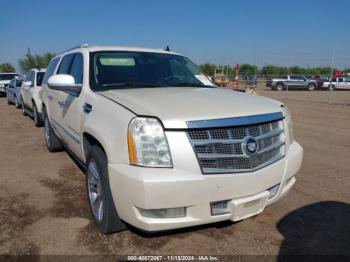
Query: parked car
(13, 92)
(5, 79)
(337, 83)
(30, 95)
(162, 147)
(293, 82)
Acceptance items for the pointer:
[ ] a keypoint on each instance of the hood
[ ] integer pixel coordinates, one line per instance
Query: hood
(174, 106)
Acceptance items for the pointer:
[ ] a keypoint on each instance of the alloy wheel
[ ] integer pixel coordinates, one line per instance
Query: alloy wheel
(35, 115)
(47, 132)
(95, 190)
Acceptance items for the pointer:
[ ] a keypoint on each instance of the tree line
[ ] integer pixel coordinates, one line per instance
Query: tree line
(30, 61)
(268, 70)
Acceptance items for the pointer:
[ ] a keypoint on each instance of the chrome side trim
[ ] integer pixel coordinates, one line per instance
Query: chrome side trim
(235, 121)
(69, 133)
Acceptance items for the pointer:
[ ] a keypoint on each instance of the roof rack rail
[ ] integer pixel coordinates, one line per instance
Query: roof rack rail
(75, 47)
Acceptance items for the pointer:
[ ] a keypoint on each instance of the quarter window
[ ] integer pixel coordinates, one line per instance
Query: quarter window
(73, 65)
(50, 70)
(30, 76)
(66, 64)
(77, 69)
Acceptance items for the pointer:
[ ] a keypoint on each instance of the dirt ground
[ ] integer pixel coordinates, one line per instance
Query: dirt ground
(44, 209)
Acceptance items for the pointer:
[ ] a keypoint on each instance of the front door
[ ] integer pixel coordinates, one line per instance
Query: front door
(70, 113)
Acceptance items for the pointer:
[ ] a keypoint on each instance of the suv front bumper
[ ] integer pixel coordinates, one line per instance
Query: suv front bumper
(159, 188)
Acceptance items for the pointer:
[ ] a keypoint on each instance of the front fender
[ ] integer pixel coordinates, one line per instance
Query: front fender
(108, 123)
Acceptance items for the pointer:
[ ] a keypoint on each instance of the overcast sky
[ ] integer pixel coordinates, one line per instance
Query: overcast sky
(284, 32)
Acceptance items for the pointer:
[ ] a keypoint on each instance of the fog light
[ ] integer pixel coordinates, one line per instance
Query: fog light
(218, 208)
(273, 191)
(163, 213)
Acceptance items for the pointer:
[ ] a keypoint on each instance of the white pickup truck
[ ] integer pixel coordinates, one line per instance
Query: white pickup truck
(162, 146)
(337, 83)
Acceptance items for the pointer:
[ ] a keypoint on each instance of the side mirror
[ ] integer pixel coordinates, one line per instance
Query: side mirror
(65, 83)
(27, 84)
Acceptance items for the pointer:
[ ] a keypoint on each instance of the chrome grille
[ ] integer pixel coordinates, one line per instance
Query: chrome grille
(222, 150)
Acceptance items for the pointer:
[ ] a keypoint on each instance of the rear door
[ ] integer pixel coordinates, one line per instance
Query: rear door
(292, 82)
(26, 89)
(49, 95)
(298, 81)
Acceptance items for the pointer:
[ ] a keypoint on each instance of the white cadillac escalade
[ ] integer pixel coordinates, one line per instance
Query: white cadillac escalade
(163, 147)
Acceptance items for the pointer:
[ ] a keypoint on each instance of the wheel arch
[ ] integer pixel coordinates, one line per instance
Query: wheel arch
(280, 83)
(90, 140)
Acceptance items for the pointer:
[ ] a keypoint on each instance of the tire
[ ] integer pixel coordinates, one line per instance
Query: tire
(36, 117)
(17, 105)
(8, 101)
(331, 87)
(99, 194)
(311, 87)
(52, 141)
(23, 107)
(280, 87)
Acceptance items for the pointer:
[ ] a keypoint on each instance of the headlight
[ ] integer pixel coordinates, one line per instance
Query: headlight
(289, 126)
(147, 143)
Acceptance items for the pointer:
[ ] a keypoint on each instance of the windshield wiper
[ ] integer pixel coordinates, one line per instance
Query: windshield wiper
(186, 84)
(130, 84)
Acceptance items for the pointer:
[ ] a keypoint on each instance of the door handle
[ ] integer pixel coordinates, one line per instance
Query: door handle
(87, 108)
(61, 103)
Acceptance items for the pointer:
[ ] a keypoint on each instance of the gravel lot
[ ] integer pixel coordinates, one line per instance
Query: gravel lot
(44, 208)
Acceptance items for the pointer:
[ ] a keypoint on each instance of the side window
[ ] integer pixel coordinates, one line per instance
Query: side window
(30, 76)
(340, 80)
(296, 78)
(66, 64)
(51, 69)
(39, 78)
(77, 68)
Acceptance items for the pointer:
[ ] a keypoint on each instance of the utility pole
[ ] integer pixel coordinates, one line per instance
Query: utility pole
(255, 79)
(330, 78)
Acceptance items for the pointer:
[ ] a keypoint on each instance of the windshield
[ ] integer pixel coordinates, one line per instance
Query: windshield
(7, 76)
(116, 69)
(39, 78)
